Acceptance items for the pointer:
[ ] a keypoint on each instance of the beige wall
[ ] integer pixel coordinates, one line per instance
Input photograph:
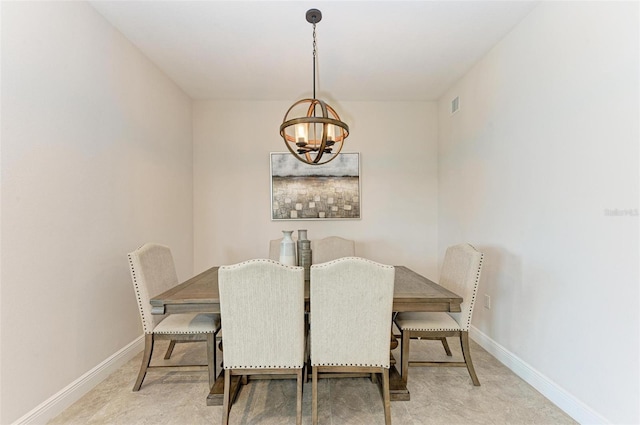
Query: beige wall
(100, 152)
(544, 143)
(397, 146)
(96, 160)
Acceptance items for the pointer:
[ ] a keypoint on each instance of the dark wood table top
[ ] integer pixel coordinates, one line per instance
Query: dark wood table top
(412, 292)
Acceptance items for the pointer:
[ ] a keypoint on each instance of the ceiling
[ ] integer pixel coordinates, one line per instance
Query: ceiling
(263, 50)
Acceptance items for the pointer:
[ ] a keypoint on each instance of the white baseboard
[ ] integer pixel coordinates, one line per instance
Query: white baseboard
(64, 398)
(573, 407)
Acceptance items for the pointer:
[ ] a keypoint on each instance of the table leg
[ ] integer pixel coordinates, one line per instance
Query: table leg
(216, 393)
(397, 387)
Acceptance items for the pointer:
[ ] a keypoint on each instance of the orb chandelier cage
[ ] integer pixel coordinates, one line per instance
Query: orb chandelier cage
(311, 129)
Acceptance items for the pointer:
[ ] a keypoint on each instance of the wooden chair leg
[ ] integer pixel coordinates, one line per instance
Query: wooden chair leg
(226, 403)
(172, 345)
(404, 354)
(307, 351)
(466, 352)
(211, 358)
(146, 360)
(386, 396)
(299, 398)
(314, 396)
(445, 345)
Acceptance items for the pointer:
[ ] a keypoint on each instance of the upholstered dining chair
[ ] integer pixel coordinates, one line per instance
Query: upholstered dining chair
(152, 273)
(351, 305)
(331, 248)
(262, 311)
(274, 249)
(460, 274)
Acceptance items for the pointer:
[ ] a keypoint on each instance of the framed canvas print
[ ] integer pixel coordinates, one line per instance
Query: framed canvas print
(301, 191)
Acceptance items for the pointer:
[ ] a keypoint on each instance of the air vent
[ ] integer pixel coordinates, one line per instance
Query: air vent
(455, 105)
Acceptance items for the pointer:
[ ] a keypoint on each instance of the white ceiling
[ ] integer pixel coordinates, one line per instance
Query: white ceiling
(262, 50)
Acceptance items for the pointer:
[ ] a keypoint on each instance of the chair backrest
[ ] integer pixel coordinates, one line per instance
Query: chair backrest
(274, 249)
(461, 273)
(351, 308)
(152, 273)
(262, 313)
(331, 248)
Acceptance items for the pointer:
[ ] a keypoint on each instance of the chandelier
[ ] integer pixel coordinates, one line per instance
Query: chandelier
(311, 129)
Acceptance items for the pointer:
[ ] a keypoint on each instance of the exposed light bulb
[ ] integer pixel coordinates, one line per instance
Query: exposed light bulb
(331, 132)
(301, 134)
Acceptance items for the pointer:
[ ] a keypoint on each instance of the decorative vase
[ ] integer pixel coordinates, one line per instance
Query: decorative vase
(304, 252)
(302, 236)
(287, 249)
(304, 258)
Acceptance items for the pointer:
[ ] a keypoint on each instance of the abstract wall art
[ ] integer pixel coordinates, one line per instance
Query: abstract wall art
(301, 191)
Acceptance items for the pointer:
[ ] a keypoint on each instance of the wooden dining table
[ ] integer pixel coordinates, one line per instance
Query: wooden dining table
(412, 292)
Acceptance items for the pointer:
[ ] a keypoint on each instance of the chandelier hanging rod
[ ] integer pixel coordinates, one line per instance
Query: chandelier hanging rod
(313, 17)
(311, 129)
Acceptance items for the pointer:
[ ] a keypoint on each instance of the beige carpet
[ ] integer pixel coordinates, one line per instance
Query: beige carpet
(438, 396)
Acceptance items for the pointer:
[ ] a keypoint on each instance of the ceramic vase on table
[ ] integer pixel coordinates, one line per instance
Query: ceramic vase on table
(304, 258)
(288, 249)
(302, 236)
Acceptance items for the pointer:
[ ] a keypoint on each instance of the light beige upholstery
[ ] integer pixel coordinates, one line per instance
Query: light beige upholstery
(153, 272)
(274, 249)
(460, 274)
(262, 309)
(351, 307)
(331, 248)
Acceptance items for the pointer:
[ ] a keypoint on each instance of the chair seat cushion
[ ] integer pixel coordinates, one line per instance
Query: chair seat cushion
(188, 323)
(432, 321)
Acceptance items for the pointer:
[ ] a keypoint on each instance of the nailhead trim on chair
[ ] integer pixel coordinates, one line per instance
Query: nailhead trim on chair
(475, 288)
(430, 329)
(138, 297)
(258, 260)
(262, 367)
(329, 263)
(351, 364)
